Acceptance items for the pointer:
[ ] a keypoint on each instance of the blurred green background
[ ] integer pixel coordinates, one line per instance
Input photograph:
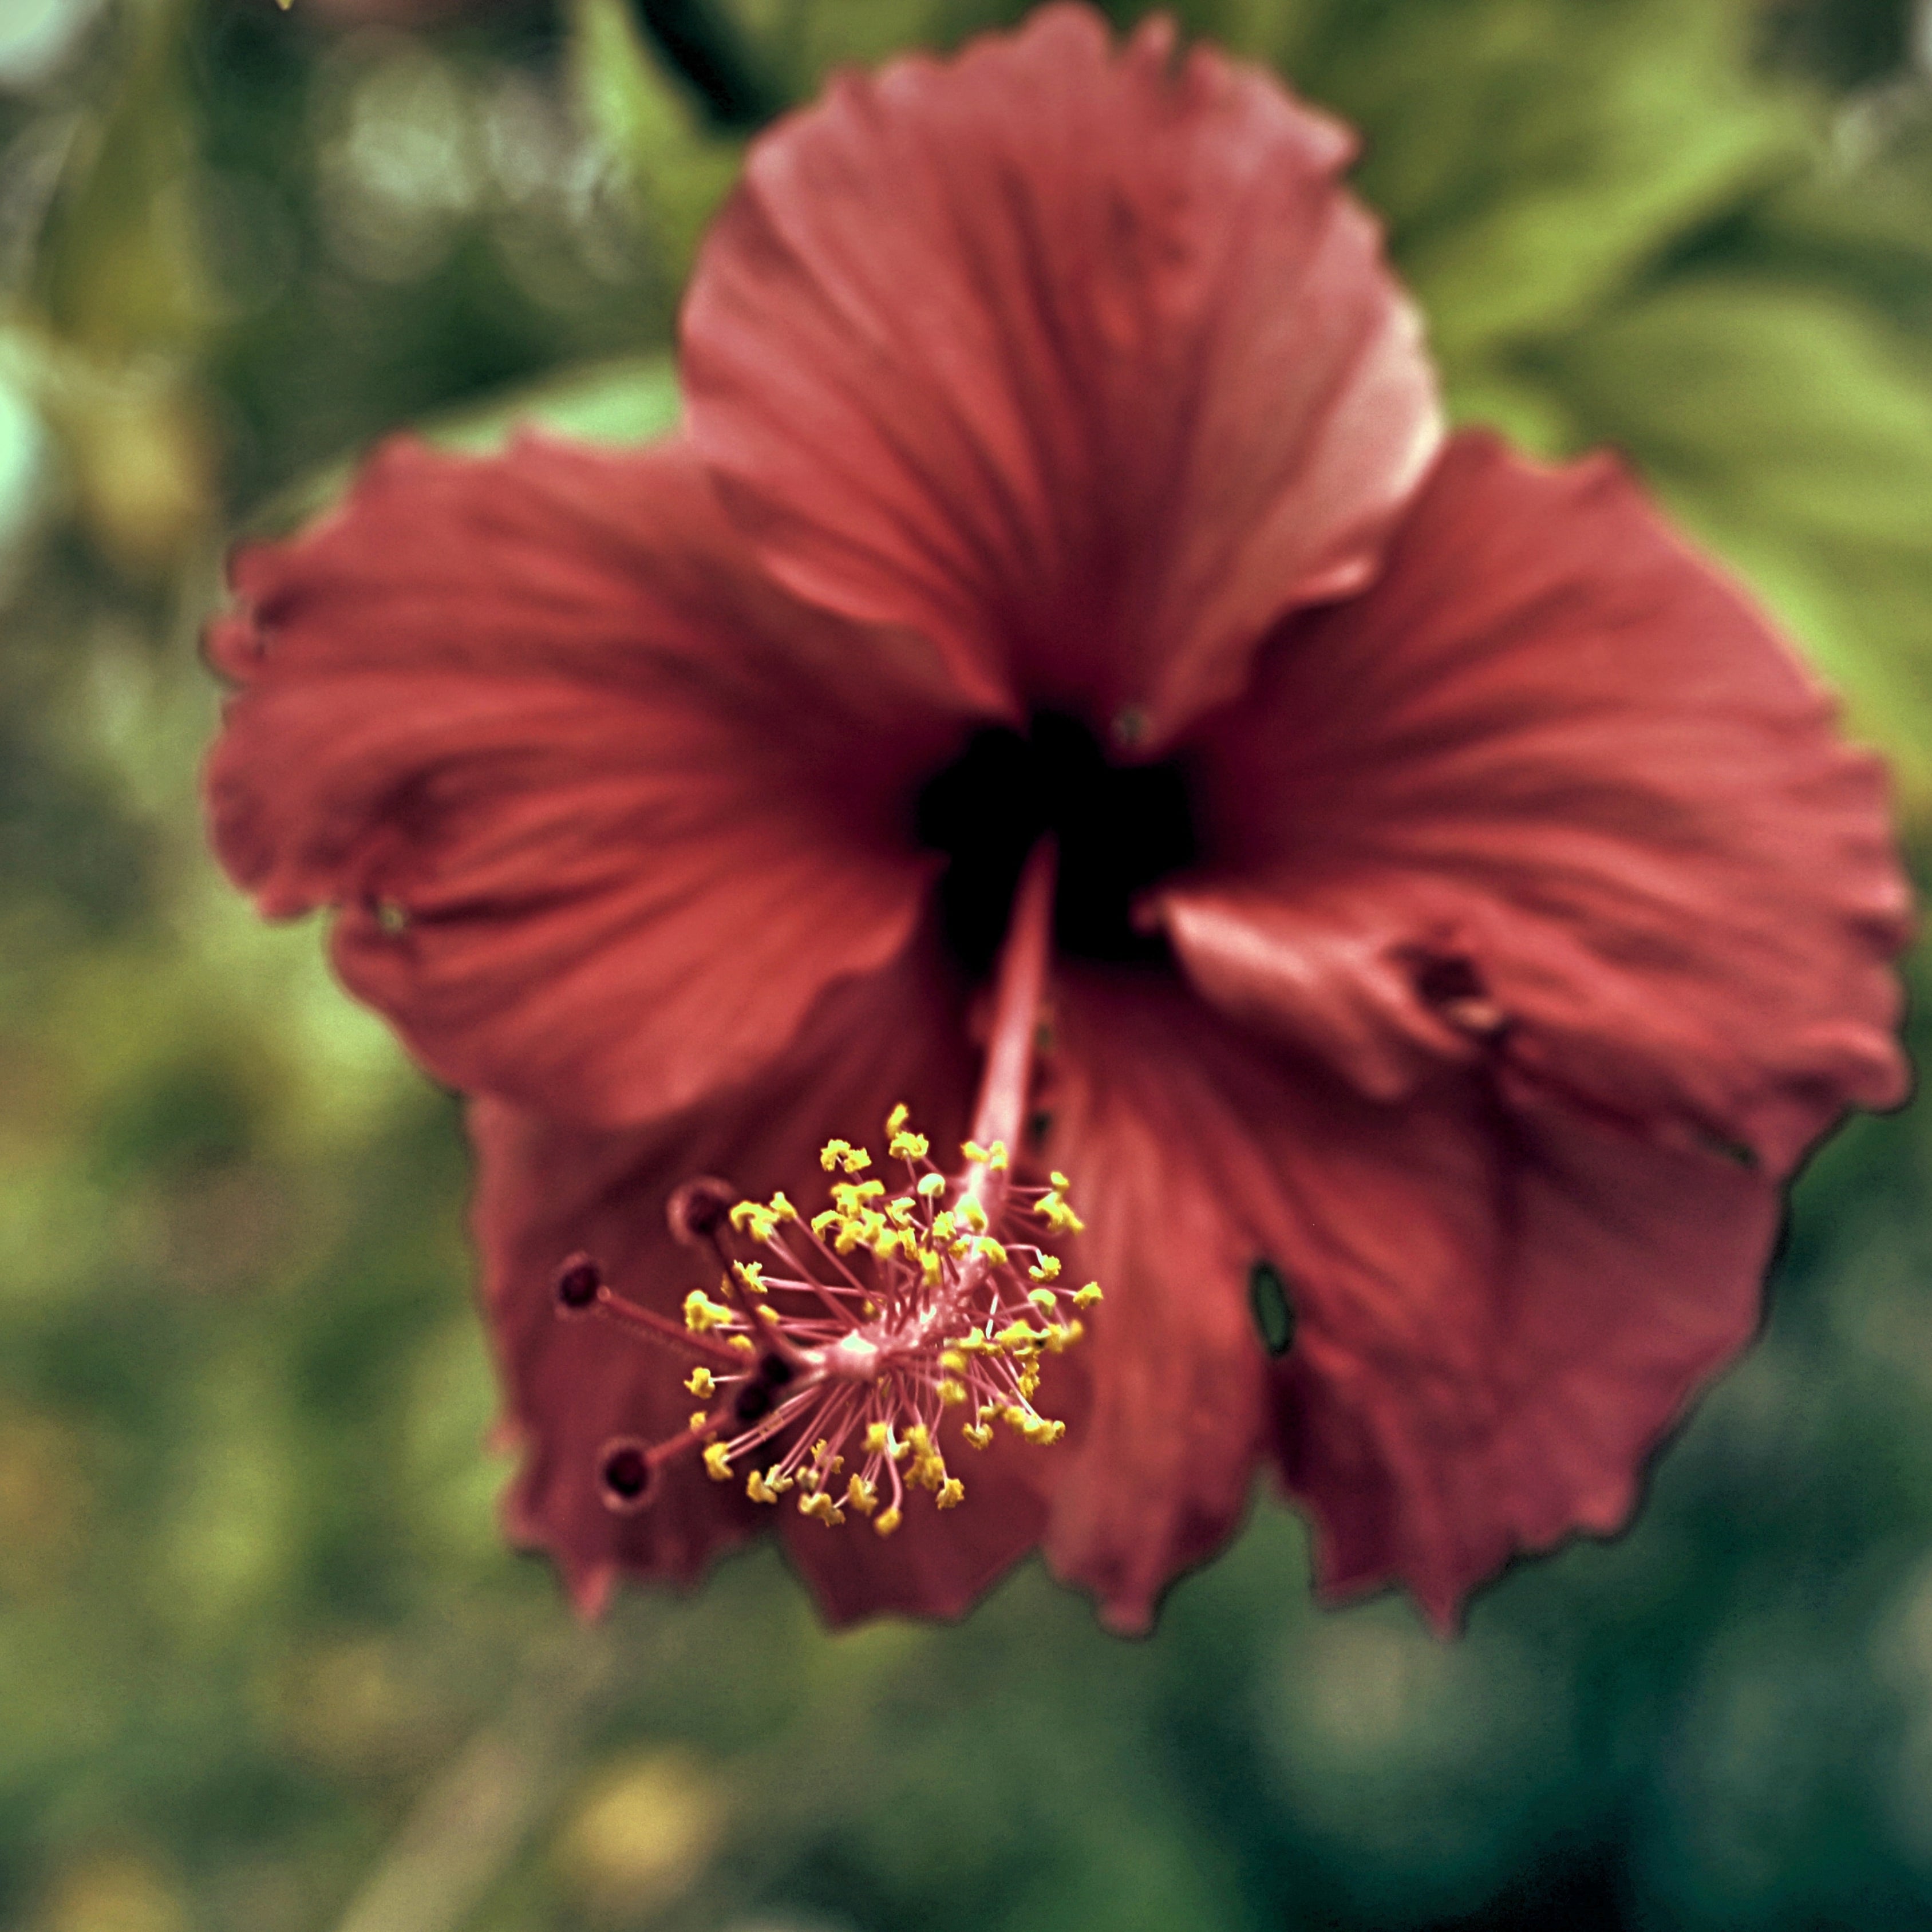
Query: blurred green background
(264, 1664)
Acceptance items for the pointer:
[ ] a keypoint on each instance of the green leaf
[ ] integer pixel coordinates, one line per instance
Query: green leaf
(1531, 156)
(632, 401)
(649, 127)
(118, 270)
(1851, 224)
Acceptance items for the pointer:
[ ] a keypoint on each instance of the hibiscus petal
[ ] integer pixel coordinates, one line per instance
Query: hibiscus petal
(1504, 1310)
(1552, 790)
(1164, 1175)
(1082, 364)
(1501, 1304)
(546, 1189)
(602, 812)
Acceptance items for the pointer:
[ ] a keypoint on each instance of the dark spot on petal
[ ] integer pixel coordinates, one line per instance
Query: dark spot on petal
(1038, 1126)
(775, 1371)
(754, 1400)
(1120, 828)
(627, 1476)
(579, 1283)
(1739, 1153)
(1457, 991)
(1441, 980)
(1273, 1313)
(391, 917)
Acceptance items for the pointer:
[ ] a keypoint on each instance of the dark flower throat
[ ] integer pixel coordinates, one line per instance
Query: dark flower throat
(1120, 828)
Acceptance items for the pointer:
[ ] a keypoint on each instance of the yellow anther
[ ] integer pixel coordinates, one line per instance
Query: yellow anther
(1043, 1298)
(977, 1433)
(860, 1495)
(974, 1214)
(930, 1184)
(1030, 1380)
(931, 1267)
(945, 1225)
(972, 1150)
(1085, 1297)
(700, 1418)
(997, 1157)
(951, 1393)
(817, 1503)
(782, 1209)
(767, 1488)
(1020, 1338)
(701, 1312)
(878, 1441)
(990, 1250)
(1059, 1181)
(1014, 1417)
(744, 1213)
(909, 1147)
(1047, 1268)
(888, 1521)
(702, 1383)
(919, 1439)
(1057, 1215)
(856, 1160)
(1042, 1431)
(952, 1493)
(1060, 1334)
(830, 1218)
(899, 1209)
(717, 1465)
(750, 1276)
(829, 1153)
(898, 1117)
(953, 1357)
(743, 1344)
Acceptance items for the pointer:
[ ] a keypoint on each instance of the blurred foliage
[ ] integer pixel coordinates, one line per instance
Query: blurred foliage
(264, 1663)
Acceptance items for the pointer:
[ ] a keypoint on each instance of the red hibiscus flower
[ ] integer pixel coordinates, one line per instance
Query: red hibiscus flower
(1465, 914)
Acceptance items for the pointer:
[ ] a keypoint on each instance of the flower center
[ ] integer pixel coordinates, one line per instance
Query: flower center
(845, 1342)
(1119, 828)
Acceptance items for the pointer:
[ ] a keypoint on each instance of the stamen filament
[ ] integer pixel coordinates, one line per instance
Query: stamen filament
(919, 1304)
(1001, 1112)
